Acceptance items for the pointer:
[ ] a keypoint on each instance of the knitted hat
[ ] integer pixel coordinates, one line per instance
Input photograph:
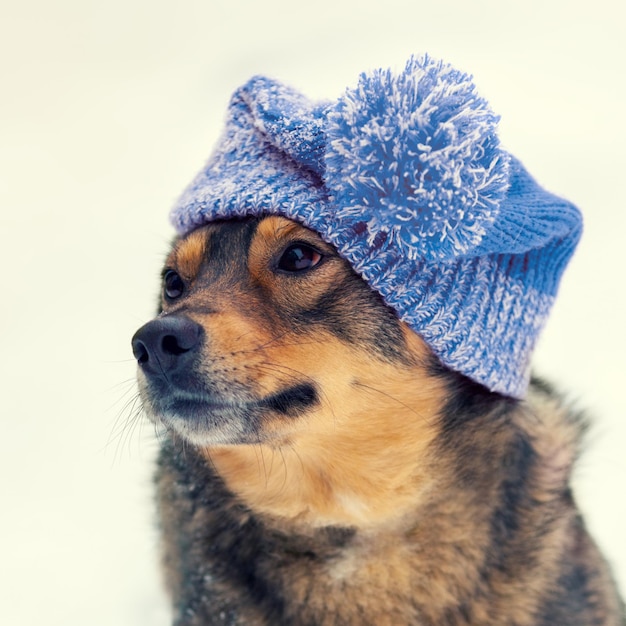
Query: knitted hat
(405, 176)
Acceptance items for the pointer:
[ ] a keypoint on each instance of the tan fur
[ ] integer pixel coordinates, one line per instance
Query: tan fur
(306, 472)
(188, 255)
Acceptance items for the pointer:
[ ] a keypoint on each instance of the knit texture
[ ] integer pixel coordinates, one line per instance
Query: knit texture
(406, 177)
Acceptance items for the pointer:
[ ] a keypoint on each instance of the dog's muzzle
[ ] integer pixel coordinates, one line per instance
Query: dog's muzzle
(205, 407)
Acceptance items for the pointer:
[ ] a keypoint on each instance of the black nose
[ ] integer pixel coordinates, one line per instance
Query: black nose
(166, 344)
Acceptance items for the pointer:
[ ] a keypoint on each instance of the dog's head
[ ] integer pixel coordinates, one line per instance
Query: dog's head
(290, 374)
(262, 325)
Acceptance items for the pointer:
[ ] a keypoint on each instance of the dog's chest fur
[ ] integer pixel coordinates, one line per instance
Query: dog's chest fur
(494, 540)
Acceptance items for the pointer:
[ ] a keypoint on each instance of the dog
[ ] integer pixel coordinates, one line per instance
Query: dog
(320, 466)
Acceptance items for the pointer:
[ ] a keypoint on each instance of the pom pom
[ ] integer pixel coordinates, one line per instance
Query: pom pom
(416, 157)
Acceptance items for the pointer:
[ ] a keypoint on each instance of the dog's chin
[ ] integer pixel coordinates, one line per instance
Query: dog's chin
(203, 422)
(208, 421)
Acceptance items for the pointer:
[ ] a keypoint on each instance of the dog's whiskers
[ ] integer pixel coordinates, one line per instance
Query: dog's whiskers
(275, 340)
(294, 375)
(421, 416)
(127, 411)
(130, 417)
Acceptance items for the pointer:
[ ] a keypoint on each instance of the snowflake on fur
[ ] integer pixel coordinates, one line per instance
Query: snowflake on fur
(417, 157)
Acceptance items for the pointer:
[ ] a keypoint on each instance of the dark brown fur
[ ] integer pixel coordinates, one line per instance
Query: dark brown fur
(321, 467)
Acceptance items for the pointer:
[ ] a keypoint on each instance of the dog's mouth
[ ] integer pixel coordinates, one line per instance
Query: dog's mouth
(212, 419)
(292, 401)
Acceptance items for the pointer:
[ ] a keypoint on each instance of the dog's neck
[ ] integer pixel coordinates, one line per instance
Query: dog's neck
(366, 466)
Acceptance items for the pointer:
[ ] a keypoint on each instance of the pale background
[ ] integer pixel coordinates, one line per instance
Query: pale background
(108, 108)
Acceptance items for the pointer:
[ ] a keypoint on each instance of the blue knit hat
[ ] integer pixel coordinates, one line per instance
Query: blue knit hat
(405, 176)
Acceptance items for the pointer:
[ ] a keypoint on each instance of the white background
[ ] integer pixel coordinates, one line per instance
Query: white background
(107, 109)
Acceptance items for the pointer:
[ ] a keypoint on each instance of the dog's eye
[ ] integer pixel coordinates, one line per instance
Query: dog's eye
(299, 257)
(173, 285)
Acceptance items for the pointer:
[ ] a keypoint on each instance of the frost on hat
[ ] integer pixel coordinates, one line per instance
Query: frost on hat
(405, 176)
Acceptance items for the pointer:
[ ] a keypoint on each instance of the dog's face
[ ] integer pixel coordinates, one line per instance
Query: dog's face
(267, 337)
